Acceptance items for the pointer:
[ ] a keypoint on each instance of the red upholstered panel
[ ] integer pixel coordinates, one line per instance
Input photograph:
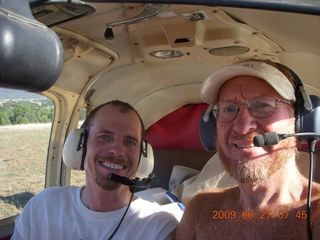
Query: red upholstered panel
(178, 130)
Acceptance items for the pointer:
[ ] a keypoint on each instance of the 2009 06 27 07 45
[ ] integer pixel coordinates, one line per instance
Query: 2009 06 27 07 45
(262, 214)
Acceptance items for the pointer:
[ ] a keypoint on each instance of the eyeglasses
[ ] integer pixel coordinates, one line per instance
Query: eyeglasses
(259, 107)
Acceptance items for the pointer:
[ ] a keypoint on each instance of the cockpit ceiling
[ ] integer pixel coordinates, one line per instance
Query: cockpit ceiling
(207, 37)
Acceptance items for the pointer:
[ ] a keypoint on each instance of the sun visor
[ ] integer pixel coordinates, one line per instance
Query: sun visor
(31, 56)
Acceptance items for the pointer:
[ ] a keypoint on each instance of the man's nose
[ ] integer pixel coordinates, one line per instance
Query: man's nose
(244, 121)
(116, 148)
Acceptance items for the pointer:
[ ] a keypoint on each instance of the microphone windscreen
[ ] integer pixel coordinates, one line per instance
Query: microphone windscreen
(271, 138)
(258, 141)
(266, 139)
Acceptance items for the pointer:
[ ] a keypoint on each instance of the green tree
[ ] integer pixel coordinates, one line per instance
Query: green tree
(22, 112)
(4, 119)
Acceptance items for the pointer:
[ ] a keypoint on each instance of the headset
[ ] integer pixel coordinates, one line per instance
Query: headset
(74, 152)
(306, 107)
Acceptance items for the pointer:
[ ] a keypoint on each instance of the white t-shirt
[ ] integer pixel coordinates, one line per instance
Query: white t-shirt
(58, 213)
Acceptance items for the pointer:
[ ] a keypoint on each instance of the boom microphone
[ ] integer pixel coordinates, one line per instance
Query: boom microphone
(123, 180)
(266, 139)
(272, 138)
(143, 183)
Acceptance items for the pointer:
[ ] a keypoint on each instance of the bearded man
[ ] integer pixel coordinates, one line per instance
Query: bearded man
(249, 99)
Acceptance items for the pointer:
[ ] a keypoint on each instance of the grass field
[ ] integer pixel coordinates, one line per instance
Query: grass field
(23, 151)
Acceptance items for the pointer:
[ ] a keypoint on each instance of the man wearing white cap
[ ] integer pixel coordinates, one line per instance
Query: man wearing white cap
(249, 99)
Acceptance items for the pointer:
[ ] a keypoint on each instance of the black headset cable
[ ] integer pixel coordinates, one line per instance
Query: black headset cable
(312, 146)
(114, 232)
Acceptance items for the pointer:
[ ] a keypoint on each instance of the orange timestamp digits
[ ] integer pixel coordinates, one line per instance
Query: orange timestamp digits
(250, 214)
(224, 214)
(301, 214)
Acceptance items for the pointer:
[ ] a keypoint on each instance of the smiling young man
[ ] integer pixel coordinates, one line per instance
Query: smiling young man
(114, 134)
(249, 99)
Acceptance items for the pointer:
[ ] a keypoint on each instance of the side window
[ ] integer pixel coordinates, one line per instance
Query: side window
(25, 125)
(78, 177)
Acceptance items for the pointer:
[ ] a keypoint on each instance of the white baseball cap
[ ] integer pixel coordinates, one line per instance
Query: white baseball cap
(273, 76)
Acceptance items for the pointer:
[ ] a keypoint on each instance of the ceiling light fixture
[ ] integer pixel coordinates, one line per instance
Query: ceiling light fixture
(166, 54)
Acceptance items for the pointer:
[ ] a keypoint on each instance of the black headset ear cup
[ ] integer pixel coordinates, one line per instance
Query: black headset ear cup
(207, 131)
(309, 120)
